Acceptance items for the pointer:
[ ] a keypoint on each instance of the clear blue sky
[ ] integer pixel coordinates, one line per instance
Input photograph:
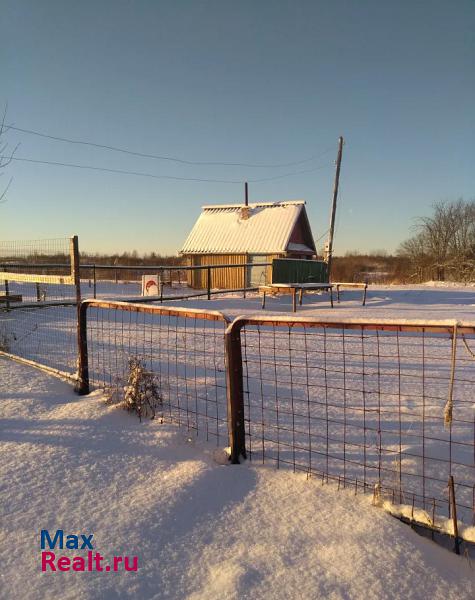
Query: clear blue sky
(250, 81)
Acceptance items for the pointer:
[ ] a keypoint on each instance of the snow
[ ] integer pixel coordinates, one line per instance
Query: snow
(201, 529)
(383, 302)
(223, 230)
(433, 300)
(177, 309)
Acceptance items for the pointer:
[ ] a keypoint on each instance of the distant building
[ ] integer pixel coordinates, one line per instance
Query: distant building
(238, 234)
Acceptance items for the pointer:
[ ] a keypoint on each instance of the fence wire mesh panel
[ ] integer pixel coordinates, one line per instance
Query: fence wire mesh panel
(31, 279)
(37, 271)
(36, 251)
(108, 281)
(365, 407)
(15, 292)
(46, 334)
(166, 282)
(181, 351)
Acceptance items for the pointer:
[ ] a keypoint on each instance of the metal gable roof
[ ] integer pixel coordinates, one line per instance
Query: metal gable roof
(221, 229)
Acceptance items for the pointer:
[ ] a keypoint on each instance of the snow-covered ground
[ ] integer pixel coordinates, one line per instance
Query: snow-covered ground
(384, 302)
(201, 529)
(434, 300)
(49, 335)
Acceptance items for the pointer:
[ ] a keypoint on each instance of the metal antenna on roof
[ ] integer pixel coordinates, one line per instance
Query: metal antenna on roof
(246, 194)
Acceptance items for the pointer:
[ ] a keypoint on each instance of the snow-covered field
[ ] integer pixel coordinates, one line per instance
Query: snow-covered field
(383, 302)
(200, 529)
(431, 301)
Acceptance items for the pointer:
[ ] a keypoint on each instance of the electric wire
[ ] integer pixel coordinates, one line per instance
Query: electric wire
(155, 176)
(164, 157)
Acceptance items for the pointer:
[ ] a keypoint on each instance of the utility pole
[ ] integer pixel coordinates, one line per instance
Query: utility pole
(329, 249)
(246, 194)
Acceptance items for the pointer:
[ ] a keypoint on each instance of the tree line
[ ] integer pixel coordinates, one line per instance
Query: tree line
(443, 246)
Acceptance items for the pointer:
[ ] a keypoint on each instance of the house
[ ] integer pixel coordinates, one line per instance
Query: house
(250, 233)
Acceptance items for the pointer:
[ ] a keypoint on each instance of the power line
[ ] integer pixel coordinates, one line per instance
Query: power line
(289, 174)
(322, 236)
(154, 176)
(165, 157)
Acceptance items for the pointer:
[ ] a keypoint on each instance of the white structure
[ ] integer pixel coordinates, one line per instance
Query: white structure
(150, 285)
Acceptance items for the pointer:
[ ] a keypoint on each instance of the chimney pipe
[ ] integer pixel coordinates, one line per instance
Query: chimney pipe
(246, 196)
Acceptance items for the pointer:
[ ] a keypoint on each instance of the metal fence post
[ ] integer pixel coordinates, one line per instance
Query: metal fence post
(7, 294)
(208, 270)
(453, 514)
(235, 392)
(82, 386)
(95, 280)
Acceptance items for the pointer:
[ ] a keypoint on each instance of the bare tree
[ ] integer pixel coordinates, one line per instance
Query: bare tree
(444, 243)
(6, 156)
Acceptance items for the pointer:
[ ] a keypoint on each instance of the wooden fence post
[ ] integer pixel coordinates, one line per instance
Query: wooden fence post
(83, 378)
(235, 393)
(74, 254)
(82, 387)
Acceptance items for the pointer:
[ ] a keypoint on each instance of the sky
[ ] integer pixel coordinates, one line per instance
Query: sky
(256, 83)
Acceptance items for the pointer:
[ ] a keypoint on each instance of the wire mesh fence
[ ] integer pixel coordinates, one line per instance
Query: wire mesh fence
(45, 334)
(167, 281)
(365, 405)
(39, 271)
(36, 251)
(126, 281)
(45, 282)
(181, 349)
(16, 292)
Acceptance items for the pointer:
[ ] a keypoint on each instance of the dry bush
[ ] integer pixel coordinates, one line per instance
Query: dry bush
(370, 268)
(141, 393)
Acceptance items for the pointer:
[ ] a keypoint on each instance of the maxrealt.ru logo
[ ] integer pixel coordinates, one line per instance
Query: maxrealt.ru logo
(92, 561)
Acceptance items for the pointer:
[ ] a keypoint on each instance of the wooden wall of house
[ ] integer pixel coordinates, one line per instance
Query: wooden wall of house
(226, 278)
(269, 269)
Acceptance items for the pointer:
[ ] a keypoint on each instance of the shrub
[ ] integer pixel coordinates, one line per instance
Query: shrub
(141, 393)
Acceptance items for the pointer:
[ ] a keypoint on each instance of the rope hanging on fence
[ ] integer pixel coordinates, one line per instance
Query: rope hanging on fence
(469, 350)
(448, 410)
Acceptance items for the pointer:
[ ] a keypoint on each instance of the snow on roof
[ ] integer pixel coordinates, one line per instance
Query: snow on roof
(221, 229)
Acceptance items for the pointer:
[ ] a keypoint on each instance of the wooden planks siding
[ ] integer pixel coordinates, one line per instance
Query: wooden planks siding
(225, 278)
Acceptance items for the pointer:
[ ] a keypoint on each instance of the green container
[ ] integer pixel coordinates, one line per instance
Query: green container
(295, 270)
